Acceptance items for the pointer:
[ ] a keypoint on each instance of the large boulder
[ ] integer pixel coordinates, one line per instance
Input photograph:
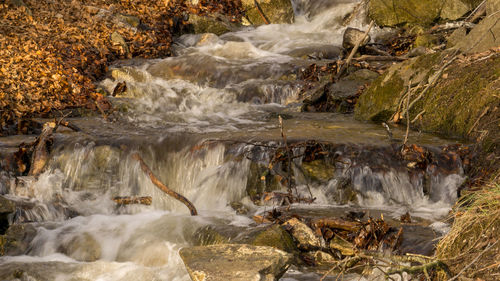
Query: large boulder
(462, 103)
(277, 11)
(235, 262)
(418, 12)
(484, 36)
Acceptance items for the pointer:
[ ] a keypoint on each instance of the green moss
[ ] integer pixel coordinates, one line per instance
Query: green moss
(206, 24)
(455, 104)
(277, 11)
(275, 236)
(380, 100)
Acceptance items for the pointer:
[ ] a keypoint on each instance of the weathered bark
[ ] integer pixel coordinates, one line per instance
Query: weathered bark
(163, 187)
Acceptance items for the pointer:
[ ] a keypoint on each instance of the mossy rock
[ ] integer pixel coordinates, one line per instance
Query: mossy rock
(452, 107)
(16, 240)
(277, 11)
(394, 13)
(418, 12)
(426, 40)
(318, 170)
(210, 24)
(271, 235)
(260, 180)
(268, 235)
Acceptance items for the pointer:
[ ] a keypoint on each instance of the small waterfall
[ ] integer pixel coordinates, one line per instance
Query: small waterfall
(229, 88)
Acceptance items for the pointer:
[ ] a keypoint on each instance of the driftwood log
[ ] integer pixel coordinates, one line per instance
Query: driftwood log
(163, 187)
(129, 200)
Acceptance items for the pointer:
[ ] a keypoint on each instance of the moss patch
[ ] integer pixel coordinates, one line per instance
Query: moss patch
(277, 11)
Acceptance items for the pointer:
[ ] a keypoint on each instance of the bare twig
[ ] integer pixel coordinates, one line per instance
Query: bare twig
(407, 115)
(164, 188)
(261, 12)
(478, 119)
(353, 52)
(129, 200)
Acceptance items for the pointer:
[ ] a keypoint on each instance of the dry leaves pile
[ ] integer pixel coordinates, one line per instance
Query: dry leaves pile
(52, 52)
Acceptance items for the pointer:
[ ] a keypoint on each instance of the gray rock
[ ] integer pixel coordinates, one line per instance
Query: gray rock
(277, 11)
(303, 234)
(316, 52)
(352, 36)
(17, 238)
(455, 9)
(211, 24)
(83, 247)
(235, 262)
(482, 37)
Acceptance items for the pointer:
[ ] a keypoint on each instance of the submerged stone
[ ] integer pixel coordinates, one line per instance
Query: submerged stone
(235, 262)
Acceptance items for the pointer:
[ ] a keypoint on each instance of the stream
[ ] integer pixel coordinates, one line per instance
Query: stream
(205, 121)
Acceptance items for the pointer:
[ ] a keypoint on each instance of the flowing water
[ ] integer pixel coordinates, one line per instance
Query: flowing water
(230, 89)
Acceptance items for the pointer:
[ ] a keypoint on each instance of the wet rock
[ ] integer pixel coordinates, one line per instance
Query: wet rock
(267, 235)
(318, 170)
(303, 234)
(7, 207)
(16, 240)
(210, 24)
(129, 74)
(260, 180)
(83, 247)
(277, 11)
(482, 37)
(316, 52)
(452, 106)
(213, 235)
(352, 36)
(235, 262)
(426, 40)
(417, 12)
(453, 10)
(341, 245)
(271, 235)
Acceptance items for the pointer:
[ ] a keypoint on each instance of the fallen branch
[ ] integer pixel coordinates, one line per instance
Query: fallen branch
(336, 223)
(353, 52)
(164, 188)
(261, 13)
(379, 58)
(129, 200)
